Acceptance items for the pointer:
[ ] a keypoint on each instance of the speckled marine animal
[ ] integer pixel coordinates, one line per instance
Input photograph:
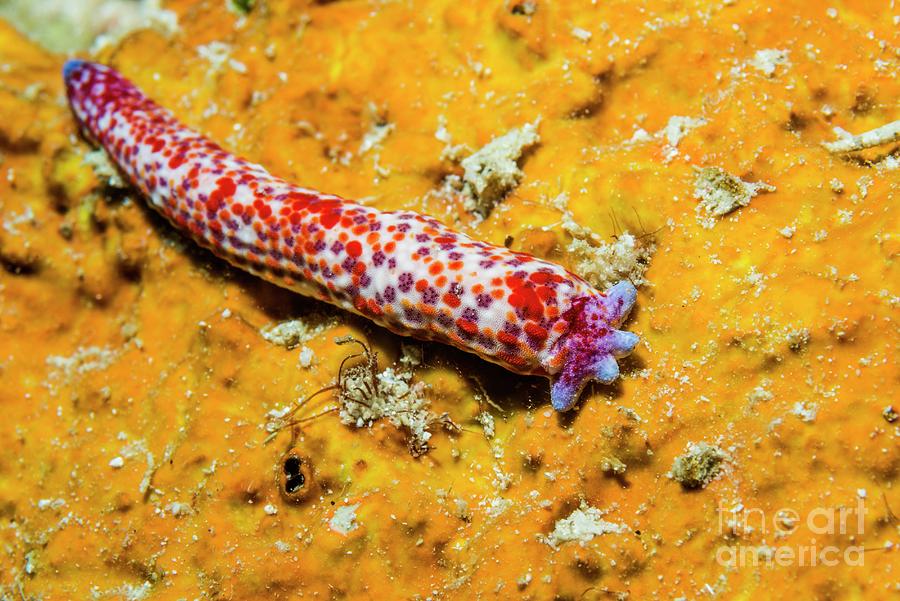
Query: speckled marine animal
(405, 271)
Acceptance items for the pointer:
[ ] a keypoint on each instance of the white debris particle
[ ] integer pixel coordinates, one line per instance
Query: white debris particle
(888, 163)
(501, 481)
(410, 354)
(846, 142)
(344, 519)
(116, 462)
(581, 34)
(756, 280)
(130, 592)
(30, 567)
(144, 485)
(863, 184)
(306, 357)
(375, 136)
(451, 152)
(861, 493)
(720, 193)
(282, 546)
(217, 53)
(837, 186)
(497, 506)
(845, 216)
(178, 509)
(461, 509)
(787, 231)
(12, 220)
(293, 332)
(630, 413)
(441, 134)
(806, 411)
(699, 465)
(104, 169)
(761, 393)
(767, 61)
(614, 465)
(582, 526)
(45, 504)
(678, 127)
(492, 171)
(270, 509)
(675, 130)
(524, 581)
(639, 136)
(276, 418)
(83, 360)
(487, 423)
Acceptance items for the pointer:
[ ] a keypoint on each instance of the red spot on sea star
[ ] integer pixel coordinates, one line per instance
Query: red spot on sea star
(328, 220)
(451, 299)
(354, 248)
(535, 331)
(526, 299)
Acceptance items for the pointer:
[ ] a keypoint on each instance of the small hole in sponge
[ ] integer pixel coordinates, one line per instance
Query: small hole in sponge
(295, 476)
(292, 465)
(294, 483)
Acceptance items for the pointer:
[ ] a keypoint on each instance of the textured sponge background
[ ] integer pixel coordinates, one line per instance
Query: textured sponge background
(756, 412)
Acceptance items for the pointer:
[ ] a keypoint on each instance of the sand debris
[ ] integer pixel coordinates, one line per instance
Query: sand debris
(581, 526)
(492, 171)
(720, 193)
(292, 333)
(698, 466)
(767, 61)
(344, 519)
(847, 142)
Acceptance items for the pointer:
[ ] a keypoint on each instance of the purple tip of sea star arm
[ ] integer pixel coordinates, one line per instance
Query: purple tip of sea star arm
(71, 66)
(618, 301)
(593, 345)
